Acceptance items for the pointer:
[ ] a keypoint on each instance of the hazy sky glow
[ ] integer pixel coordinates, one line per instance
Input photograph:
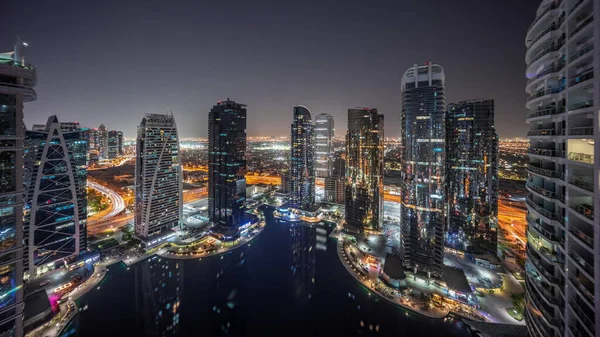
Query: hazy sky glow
(111, 61)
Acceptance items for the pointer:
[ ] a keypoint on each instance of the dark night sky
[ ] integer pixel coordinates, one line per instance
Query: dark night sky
(112, 61)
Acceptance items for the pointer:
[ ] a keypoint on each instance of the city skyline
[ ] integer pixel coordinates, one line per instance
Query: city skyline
(120, 94)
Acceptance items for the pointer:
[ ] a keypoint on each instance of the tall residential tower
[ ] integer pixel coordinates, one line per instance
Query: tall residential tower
(364, 170)
(17, 80)
(302, 165)
(423, 142)
(324, 132)
(227, 165)
(563, 232)
(55, 180)
(472, 176)
(158, 180)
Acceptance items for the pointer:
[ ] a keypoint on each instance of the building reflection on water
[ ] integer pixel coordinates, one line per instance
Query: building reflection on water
(305, 240)
(158, 295)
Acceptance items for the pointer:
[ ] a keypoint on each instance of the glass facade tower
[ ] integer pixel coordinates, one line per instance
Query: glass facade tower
(472, 176)
(227, 164)
(17, 80)
(302, 165)
(158, 180)
(324, 132)
(55, 178)
(364, 170)
(422, 208)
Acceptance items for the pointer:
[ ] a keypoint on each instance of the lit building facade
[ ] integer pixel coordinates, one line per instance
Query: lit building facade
(422, 208)
(55, 178)
(324, 132)
(102, 141)
(115, 144)
(158, 179)
(472, 176)
(364, 169)
(17, 80)
(563, 235)
(335, 183)
(227, 164)
(302, 164)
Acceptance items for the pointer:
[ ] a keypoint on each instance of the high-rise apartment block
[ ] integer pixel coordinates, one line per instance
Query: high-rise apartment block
(114, 144)
(364, 170)
(563, 231)
(335, 183)
(227, 166)
(302, 165)
(324, 132)
(424, 134)
(17, 80)
(55, 178)
(472, 176)
(158, 178)
(102, 141)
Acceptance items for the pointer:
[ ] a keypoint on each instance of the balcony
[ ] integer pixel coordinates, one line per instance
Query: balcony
(545, 112)
(542, 231)
(588, 48)
(553, 6)
(547, 315)
(540, 209)
(582, 25)
(589, 241)
(545, 92)
(583, 315)
(581, 105)
(540, 190)
(584, 77)
(588, 294)
(581, 157)
(581, 183)
(552, 27)
(545, 72)
(548, 50)
(582, 131)
(576, 332)
(544, 132)
(544, 172)
(582, 263)
(579, 2)
(585, 210)
(542, 152)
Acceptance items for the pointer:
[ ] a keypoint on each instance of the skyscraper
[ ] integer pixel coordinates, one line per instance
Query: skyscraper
(335, 183)
(120, 143)
(324, 132)
(422, 207)
(55, 179)
(113, 144)
(302, 166)
(17, 80)
(472, 176)
(102, 141)
(227, 165)
(158, 180)
(364, 169)
(563, 250)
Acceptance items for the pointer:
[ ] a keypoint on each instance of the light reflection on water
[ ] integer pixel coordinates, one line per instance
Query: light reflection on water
(289, 282)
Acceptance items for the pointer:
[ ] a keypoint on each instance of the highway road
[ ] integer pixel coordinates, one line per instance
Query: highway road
(512, 220)
(117, 203)
(101, 225)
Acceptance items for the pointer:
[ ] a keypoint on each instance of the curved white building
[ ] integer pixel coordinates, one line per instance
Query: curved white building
(563, 249)
(17, 80)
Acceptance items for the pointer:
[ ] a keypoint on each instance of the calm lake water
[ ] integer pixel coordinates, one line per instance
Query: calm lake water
(288, 282)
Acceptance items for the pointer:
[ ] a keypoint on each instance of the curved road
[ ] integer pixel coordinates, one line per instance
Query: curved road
(117, 202)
